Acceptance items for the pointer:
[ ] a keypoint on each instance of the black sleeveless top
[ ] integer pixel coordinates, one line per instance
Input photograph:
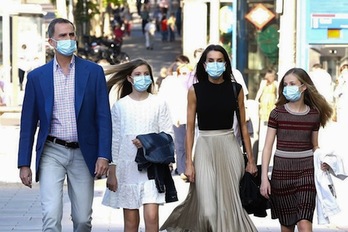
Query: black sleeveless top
(215, 104)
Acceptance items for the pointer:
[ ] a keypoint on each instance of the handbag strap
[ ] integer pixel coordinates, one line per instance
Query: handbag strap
(238, 114)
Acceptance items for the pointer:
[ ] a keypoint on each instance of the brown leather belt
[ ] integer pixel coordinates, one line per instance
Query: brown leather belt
(72, 145)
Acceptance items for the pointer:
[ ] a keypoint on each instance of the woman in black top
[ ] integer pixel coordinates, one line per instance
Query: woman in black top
(213, 202)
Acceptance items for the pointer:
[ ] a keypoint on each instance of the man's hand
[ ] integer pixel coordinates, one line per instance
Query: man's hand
(101, 168)
(26, 176)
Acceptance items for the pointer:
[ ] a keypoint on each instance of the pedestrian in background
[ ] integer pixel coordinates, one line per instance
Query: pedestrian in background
(178, 21)
(213, 202)
(23, 65)
(322, 81)
(157, 15)
(67, 100)
(137, 112)
(180, 59)
(267, 95)
(150, 31)
(174, 91)
(164, 28)
(341, 97)
(161, 77)
(145, 16)
(171, 27)
(299, 113)
(127, 19)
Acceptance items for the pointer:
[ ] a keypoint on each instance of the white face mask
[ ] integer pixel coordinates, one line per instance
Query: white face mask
(215, 69)
(292, 93)
(66, 47)
(141, 83)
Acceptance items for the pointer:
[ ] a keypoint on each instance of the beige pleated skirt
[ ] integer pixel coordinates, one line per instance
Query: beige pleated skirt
(213, 202)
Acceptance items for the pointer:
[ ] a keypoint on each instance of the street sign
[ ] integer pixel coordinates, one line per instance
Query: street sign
(330, 20)
(260, 16)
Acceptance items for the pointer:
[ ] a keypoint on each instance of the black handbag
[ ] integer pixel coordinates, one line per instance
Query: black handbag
(249, 187)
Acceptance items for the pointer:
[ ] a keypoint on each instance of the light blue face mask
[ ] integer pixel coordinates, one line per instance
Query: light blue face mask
(292, 93)
(141, 83)
(66, 47)
(215, 69)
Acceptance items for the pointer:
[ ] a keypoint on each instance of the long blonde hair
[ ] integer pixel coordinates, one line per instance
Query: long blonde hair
(312, 97)
(119, 74)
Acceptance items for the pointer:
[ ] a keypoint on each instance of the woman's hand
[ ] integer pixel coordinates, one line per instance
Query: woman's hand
(190, 173)
(251, 168)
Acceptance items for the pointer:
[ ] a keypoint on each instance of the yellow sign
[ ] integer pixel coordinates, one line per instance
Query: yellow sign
(333, 33)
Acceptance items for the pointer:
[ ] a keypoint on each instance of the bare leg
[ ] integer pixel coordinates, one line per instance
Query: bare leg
(151, 217)
(304, 226)
(287, 228)
(131, 220)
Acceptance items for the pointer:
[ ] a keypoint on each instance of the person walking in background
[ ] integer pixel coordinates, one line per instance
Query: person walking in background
(118, 34)
(171, 27)
(145, 16)
(178, 21)
(67, 99)
(179, 60)
(341, 97)
(213, 202)
(127, 19)
(322, 81)
(174, 91)
(150, 31)
(164, 28)
(157, 15)
(299, 113)
(137, 112)
(161, 77)
(23, 65)
(267, 95)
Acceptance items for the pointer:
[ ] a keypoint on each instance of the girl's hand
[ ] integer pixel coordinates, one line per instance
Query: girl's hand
(137, 143)
(325, 167)
(265, 188)
(111, 183)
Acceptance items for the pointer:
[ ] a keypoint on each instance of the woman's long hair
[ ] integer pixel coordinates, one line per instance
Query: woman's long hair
(119, 74)
(202, 75)
(312, 97)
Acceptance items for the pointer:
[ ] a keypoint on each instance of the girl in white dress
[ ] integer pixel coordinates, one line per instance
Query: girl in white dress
(136, 112)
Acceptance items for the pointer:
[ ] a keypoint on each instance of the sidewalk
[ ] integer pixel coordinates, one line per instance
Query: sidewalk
(20, 208)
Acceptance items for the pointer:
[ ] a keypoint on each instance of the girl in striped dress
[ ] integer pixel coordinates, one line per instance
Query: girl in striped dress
(300, 112)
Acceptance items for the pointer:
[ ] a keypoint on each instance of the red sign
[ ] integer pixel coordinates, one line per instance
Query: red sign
(260, 16)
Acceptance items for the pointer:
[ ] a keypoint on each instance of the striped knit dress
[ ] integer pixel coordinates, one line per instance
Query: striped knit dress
(292, 180)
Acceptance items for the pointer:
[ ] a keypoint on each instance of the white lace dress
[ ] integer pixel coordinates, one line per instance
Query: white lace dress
(129, 119)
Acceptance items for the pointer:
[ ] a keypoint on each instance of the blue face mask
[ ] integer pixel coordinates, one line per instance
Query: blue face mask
(66, 47)
(215, 69)
(292, 93)
(141, 83)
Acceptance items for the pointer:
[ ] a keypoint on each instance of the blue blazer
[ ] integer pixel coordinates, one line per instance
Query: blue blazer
(92, 111)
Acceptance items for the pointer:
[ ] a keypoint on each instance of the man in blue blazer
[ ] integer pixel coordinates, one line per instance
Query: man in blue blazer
(67, 99)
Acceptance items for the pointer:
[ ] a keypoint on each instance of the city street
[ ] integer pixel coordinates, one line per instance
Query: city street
(20, 206)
